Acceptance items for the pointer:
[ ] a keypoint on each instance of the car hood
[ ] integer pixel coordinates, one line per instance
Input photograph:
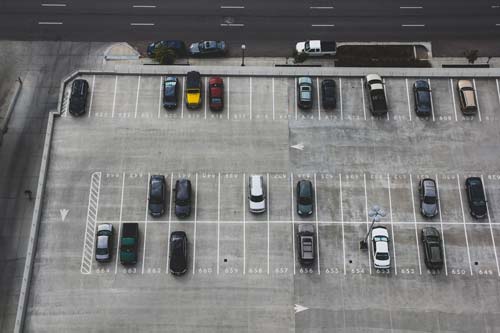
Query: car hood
(257, 205)
(429, 209)
(194, 48)
(305, 209)
(300, 46)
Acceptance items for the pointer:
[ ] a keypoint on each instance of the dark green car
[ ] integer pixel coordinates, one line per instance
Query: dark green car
(304, 198)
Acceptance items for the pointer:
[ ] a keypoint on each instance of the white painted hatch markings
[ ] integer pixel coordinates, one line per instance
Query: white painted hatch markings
(146, 225)
(293, 221)
(169, 218)
(415, 220)
(317, 224)
(120, 224)
(195, 219)
(368, 222)
(342, 221)
(363, 97)
(268, 212)
(50, 23)
(90, 225)
(91, 95)
(114, 97)
(432, 100)
(441, 223)
(160, 97)
(489, 222)
(477, 100)
(137, 96)
(392, 226)
(218, 221)
(64, 213)
(244, 226)
(463, 218)
(319, 100)
(408, 98)
(453, 99)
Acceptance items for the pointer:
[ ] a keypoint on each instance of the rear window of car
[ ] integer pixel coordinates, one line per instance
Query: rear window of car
(435, 253)
(382, 256)
(216, 100)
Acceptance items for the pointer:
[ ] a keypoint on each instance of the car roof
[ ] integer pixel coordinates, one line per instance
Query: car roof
(171, 79)
(182, 187)
(305, 187)
(193, 75)
(382, 247)
(328, 83)
(256, 184)
(421, 84)
(105, 226)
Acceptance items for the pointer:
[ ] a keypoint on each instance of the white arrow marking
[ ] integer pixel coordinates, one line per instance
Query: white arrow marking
(299, 308)
(64, 213)
(299, 146)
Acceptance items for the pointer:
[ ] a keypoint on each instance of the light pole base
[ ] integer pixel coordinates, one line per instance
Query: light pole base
(363, 245)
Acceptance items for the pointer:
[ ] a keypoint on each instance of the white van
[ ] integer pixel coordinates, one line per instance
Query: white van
(256, 194)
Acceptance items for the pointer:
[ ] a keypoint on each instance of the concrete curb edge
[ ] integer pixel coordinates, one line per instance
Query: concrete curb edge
(4, 126)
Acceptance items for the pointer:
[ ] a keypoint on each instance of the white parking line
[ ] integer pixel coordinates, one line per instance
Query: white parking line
(319, 100)
(491, 228)
(114, 97)
(295, 98)
(367, 221)
(218, 221)
(342, 220)
(293, 220)
(463, 217)
(228, 94)
(453, 99)
(206, 96)
(317, 224)
(119, 225)
(477, 100)
(273, 99)
(408, 98)
(432, 101)
(250, 98)
(160, 98)
(137, 96)
(363, 97)
(169, 218)
(441, 223)
(92, 94)
(392, 226)
(183, 95)
(195, 220)
(244, 225)
(341, 104)
(498, 91)
(232, 25)
(268, 212)
(146, 226)
(415, 220)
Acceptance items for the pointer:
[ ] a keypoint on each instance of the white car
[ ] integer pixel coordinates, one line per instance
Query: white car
(380, 241)
(256, 196)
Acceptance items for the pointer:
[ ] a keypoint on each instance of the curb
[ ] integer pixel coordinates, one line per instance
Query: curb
(4, 126)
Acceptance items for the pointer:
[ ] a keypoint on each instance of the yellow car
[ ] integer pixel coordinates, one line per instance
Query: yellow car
(193, 90)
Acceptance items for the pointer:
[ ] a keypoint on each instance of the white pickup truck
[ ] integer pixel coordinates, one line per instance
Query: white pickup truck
(317, 48)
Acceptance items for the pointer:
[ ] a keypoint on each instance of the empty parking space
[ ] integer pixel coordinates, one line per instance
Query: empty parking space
(488, 99)
(353, 99)
(148, 103)
(103, 96)
(240, 98)
(444, 102)
(398, 99)
(262, 98)
(281, 106)
(124, 100)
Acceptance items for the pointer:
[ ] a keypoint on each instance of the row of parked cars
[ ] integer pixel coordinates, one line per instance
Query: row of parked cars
(157, 203)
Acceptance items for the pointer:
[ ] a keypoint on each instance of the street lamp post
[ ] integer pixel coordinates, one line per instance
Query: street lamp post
(243, 47)
(376, 213)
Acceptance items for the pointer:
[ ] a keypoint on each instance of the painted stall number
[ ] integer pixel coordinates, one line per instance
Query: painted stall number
(231, 270)
(358, 271)
(255, 270)
(306, 271)
(205, 270)
(281, 270)
(332, 271)
(456, 271)
(407, 271)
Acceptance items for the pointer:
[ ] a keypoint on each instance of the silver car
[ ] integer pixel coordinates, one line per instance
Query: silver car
(428, 197)
(104, 242)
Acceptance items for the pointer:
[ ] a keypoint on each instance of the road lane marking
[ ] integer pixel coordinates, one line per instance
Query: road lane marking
(453, 99)
(415, 220)
(432, 100)
(232, 25)
(411, 7)
(232, 7)
(50, 23)
(491, 228)
(368, 222)
(441, 223)
(53, 5)
(195, 219)
(293, 221)
(322, 25)
(160, 99)
(392, 226)
(321, 7)
(477, 100)
(90, 225)
(141, 24)
(114, 97)
(92, 94)
(413, 25)
(317, 224)
(171, 194)
(137, 96)
(463, 218)
(268, 212)
(119, 225)
(342, 220)
(143, 6)
(146, 226)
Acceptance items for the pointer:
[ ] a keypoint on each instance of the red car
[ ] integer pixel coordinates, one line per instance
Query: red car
(216, 93)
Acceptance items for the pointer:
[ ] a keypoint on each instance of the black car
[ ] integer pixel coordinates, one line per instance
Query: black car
(422, 95)
(208, 48)
(305, 244)
(78, 97)
(329, 94)
(428, 197)
(104, 242)
(182, 197)
(178, 46)
(157, 195)
(178, 252)
(433, 251)
(476, 197)
(304, 198)
(170, 92)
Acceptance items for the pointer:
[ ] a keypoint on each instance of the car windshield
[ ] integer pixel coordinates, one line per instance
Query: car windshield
(101, 251)
(182, 202)
(193, 91)
(256, 198)
(430, 200)
(380, 239)
(305, 200)
(424, 97)
(156, 193)
(382, 256)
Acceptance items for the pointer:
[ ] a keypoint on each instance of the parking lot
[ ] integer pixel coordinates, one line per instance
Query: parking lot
(243, 272)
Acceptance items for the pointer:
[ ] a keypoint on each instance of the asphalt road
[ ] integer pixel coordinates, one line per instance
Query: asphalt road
(268, 28)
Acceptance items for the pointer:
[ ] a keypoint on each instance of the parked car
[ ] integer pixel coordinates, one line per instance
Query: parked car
(178, 252)
(304, 198)
(208, 48)
(193, 90)
(129, 243)
(305, 237)
(476, 197)
(183, 194)
(216, 93)
(317, 48)
(256, 194)
(380, 241)
(377, 95)
(329, 94)
(428, 197)
(433, 252)
(157, 195)
(305, 95)
(104, 242)
(170, 92)
(177, 45)
(422, 96)
(78, 97)
(467, 97)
